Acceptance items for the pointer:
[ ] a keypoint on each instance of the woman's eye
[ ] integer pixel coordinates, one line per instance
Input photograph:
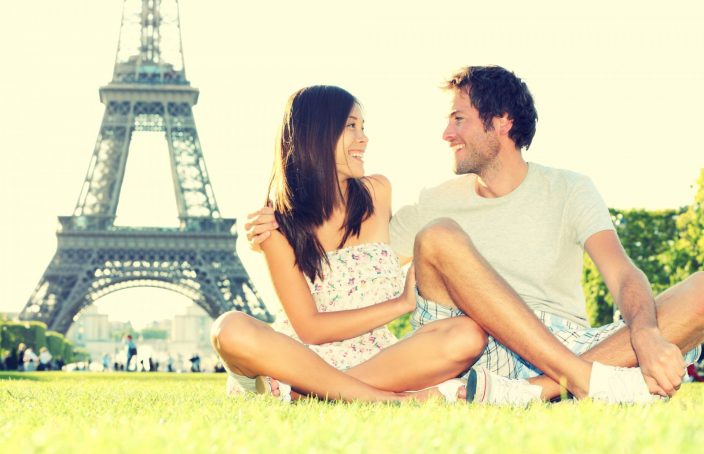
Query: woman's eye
(352, 125)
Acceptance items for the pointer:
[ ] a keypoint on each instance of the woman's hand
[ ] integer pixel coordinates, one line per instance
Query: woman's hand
(408, 297)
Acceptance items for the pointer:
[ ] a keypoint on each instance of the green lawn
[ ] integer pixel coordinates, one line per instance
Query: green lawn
(139, 412)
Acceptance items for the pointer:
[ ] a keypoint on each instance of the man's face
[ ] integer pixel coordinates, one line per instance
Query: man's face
(475, 149)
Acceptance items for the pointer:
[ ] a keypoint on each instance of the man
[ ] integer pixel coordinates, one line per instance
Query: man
(503, 244)
(131, 352)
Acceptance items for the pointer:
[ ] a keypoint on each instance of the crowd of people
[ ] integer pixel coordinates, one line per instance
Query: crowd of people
(24, 358)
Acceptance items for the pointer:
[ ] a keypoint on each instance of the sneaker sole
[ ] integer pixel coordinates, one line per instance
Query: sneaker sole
(471, 385)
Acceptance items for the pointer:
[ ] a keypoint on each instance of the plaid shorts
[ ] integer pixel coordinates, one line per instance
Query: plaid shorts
(499, 359)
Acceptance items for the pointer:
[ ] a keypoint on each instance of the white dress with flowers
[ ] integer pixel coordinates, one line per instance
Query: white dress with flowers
(358, 276)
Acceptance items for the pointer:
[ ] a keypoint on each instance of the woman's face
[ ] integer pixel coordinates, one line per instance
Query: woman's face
(349, 152)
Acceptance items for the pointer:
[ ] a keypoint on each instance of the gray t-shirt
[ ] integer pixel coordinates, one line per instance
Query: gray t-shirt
(534, 237)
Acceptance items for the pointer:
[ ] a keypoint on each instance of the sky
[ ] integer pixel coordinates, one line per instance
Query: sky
(618, 87)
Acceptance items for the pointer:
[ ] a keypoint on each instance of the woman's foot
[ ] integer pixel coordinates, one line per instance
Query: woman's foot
(239, 385)
(271, 386)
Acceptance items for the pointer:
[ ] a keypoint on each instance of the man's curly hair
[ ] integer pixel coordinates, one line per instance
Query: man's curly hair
(494, 91)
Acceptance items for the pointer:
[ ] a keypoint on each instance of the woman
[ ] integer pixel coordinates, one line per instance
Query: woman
(338, 280)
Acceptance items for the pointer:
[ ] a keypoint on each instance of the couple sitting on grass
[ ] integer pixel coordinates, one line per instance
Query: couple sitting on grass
(495, 287)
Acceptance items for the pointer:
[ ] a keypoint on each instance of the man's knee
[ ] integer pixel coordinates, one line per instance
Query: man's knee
(234, 334)
(697, 282)
(438, 236)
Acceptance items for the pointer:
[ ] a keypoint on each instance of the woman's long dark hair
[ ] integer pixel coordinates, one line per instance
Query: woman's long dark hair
(304, 188)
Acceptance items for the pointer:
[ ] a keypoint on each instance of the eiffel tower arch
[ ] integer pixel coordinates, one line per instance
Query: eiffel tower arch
(149, 91)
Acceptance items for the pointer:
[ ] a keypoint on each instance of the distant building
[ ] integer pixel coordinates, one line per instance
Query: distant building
(165, 325)
(90, 326)
(119, 329)
(189, 333)
(194, 326)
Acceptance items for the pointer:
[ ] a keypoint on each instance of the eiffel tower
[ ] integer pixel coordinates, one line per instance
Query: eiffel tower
(148, 92)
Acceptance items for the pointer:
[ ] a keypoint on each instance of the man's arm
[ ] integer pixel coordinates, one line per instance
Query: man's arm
(631, 290)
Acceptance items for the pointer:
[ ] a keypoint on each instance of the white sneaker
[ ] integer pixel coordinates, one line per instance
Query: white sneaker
(618, 385)
(238, 385)
(449, 389)
(487, 387)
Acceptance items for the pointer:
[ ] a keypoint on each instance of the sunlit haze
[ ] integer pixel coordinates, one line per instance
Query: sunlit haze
(618, 86)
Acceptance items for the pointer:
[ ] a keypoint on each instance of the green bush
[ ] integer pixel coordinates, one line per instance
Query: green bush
(401, 326)
(35, 335)
(3, 342)
(14, 334)
(80, 354)
(68, 351)
(55, 343)
(9, 336)
(154, 333)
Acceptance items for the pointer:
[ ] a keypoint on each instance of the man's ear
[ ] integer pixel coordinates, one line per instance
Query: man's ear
(503, 124)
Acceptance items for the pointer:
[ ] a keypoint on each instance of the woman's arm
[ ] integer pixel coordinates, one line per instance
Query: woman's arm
(314, 327)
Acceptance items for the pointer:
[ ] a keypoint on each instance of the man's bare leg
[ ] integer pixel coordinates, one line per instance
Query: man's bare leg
(250, 347)
(680, 311)
(450, 271)
(436, 352)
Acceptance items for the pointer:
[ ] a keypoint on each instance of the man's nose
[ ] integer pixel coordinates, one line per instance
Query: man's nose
(449, 133)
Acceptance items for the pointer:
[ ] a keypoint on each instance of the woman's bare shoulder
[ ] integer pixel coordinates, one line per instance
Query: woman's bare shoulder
(379, 185)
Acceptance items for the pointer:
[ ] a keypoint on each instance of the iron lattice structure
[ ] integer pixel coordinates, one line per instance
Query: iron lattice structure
(149, 91)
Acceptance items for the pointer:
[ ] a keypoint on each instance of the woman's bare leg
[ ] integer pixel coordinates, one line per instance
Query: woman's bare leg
(250, 347)
(436, 352)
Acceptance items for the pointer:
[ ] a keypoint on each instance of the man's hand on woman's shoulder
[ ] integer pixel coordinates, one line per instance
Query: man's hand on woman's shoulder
(259, 226)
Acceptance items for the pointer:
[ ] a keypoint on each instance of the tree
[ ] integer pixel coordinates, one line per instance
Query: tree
(687, 254)
(667, 245)
(646, 236)
(154, 333)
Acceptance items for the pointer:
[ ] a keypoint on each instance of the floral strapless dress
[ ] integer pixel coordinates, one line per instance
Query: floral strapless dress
(358, 276)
